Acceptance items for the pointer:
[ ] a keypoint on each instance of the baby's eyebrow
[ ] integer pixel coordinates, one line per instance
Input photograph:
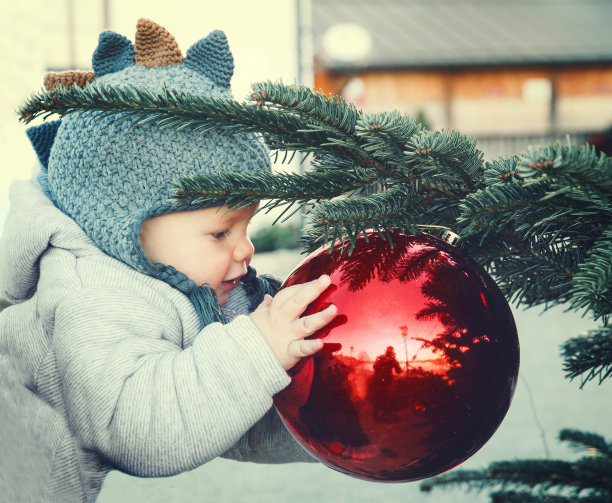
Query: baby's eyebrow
(228, 215)
(231, 216)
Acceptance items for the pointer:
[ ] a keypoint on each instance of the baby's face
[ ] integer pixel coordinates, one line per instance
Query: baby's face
(209, 246)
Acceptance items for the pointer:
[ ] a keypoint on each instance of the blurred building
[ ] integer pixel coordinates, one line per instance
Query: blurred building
(37, 36)
(509, 72)
(40, 36)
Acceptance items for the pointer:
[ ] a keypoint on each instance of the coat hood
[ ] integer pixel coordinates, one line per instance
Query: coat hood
(32, 226)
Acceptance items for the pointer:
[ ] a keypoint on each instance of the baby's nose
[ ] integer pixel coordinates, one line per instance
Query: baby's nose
(244, 250)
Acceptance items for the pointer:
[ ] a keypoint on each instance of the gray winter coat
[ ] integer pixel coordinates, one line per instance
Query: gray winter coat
(102, 367)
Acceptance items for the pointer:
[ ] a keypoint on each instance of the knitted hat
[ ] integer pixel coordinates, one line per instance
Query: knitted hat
(110, 175)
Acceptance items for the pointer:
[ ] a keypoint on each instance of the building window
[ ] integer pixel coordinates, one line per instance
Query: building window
(537, 90)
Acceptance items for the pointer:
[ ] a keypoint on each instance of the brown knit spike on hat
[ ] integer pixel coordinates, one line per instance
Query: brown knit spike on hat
(67, 79)
(155, 46)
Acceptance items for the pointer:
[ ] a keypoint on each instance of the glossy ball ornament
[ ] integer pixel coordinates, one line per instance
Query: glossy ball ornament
(418, 368)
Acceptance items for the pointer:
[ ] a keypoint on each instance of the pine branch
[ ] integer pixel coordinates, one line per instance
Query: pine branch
(454, 156)
(534, 272)
(575, 171)
(589, 356)
(443, 167)
(582, 440)
(281, 129)
(587, 479)
(538, 221)
(541, 227)
(522, 209)
(388, 135)
(397, 208)
(530, 267)
(502, 170)
(245, 189)
(329, 115)
(592, 285)
(526, 497)
(588, 474)
(330, 110)
(292, 118)
(388, 142)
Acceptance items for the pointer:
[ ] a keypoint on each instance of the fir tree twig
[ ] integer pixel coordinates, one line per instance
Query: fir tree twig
(587, 479)
(589, 355)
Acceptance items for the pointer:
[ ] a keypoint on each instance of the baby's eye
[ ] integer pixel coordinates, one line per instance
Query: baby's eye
(220, 235)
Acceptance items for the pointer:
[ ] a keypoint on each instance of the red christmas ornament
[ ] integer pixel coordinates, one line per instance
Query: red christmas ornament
(418, 369)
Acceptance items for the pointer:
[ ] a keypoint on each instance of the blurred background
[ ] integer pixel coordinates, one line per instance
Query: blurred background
(509, 73)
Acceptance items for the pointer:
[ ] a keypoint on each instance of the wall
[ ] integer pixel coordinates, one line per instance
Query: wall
(486, 101)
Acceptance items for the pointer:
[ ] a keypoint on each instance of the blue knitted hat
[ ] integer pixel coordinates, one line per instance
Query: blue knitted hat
(110, 175)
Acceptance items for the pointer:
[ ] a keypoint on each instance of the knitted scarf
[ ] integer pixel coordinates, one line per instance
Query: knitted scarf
(204, 298)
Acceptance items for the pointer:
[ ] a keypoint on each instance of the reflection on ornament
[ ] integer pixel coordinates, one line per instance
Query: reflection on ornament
(418, 369)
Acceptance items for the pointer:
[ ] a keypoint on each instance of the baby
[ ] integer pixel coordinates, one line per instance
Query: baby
(140, 339)
(182, 239)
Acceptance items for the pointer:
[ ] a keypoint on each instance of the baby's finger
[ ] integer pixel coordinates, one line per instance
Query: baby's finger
(301, 348)
(313, 322)
(295, 304)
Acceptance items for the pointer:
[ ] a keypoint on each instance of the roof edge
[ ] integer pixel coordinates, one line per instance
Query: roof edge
(500, 65)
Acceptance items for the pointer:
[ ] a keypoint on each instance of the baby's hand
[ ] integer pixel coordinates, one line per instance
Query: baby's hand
(278, 319)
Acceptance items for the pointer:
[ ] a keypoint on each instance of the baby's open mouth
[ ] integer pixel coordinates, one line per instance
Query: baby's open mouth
(231, 284)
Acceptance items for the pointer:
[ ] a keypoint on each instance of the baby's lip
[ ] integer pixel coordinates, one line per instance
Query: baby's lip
(230, 284)
(235, 280)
